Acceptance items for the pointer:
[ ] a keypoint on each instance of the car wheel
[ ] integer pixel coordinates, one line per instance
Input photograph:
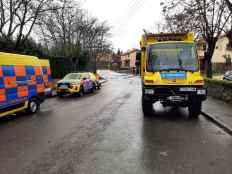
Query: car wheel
(33, 106)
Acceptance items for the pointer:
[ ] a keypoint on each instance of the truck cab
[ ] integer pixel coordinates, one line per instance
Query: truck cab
(170, 72)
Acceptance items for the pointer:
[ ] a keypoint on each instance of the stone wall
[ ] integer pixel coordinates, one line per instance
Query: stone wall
(220, 89)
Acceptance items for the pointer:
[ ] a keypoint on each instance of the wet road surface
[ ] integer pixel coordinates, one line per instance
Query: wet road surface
(106, 132)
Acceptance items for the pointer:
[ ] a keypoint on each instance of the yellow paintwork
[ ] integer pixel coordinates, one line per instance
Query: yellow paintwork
(44, 62)
(150, 78)
(192, 79)
(17, 59)
(73, 90)
(15, 110)
(93, 76)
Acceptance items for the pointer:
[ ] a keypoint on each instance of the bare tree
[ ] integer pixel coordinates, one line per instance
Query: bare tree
(207, 18)
(229, 4)
(19, 17)
(70, 31)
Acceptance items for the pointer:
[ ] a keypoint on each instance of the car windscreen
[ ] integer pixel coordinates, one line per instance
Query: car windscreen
(73, 76)
(172, 56)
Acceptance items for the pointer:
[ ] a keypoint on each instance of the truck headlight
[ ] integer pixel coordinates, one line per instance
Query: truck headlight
(149, 91)
(201, 92)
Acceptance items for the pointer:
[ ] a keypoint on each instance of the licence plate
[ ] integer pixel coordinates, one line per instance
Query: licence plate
(201, 92)
(188, 89)
(149, 91)
(63, 87)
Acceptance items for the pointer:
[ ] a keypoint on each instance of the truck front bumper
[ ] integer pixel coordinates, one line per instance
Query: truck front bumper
(173, 95)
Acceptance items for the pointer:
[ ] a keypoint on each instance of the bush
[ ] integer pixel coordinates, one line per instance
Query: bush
(219, 89)
(219, 82)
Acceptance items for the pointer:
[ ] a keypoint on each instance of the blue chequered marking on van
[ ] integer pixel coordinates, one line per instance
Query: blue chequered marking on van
(45, 71)
(1, 83)
(8, 70)
(39, 79)
(11, 94)
(13, 102)
(32, 90)
(30, 70)
(49, 78)
(21, 80)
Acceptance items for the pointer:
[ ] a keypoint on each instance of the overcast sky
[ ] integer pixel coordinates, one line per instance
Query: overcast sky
(128, 18)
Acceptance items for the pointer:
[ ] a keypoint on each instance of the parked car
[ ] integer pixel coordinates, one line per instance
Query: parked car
(228, 76)
(77, 84)
(22, 86)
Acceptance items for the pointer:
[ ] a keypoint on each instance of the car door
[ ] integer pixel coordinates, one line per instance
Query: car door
(86, 82)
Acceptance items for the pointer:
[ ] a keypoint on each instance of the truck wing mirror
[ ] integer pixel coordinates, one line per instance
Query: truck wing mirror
(138, 59)
(138, 63)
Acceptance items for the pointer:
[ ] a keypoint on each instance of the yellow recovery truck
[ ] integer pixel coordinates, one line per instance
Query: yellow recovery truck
(170, 72)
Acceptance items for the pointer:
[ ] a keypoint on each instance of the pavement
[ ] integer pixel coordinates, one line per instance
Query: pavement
(219, 112)
(106, 132)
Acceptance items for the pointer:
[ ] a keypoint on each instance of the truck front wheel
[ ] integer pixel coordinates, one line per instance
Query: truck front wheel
(194, 108)
(147, 106)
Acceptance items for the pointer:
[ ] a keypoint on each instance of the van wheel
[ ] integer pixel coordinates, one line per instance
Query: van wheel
(194, 109)
(147, 107)
(33, 106)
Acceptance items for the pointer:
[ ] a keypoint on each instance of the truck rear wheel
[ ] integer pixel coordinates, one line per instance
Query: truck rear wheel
(194, 108)
(147, 106)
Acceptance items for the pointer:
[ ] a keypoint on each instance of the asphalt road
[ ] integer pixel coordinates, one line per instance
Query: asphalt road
(106, 133)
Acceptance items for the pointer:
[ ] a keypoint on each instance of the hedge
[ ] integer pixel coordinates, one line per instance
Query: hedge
(219, 89)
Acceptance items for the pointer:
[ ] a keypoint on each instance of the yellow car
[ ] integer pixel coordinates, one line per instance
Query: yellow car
(76, 83)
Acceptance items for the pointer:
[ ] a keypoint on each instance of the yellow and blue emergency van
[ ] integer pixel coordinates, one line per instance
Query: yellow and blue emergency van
(22, 86)
(47, 76)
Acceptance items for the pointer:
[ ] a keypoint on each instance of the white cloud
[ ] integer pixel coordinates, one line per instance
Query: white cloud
(128, 18)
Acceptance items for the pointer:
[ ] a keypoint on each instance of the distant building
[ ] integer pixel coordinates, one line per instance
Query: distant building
(222, 50)
(104, 60)
(222, 56)
(128, 60)
(201, 48)
(125, 59)
(116, 62)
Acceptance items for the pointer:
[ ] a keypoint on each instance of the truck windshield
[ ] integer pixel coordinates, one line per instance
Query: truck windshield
(172, 56)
